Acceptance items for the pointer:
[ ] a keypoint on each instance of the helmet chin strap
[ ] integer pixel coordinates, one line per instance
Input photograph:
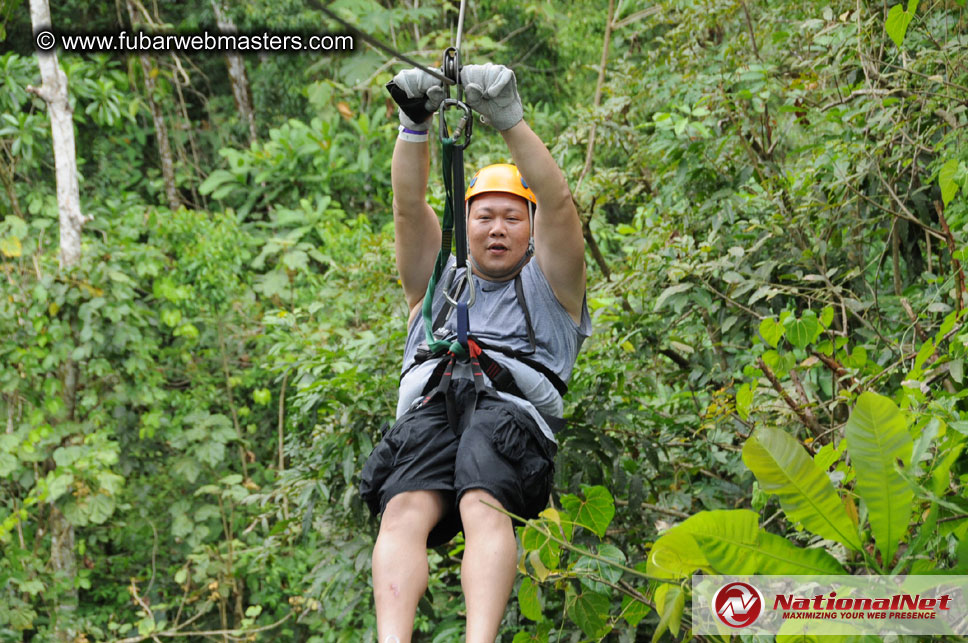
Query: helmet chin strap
(519, 264)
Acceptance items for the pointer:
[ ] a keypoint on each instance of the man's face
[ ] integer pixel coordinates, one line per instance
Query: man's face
(498, 231)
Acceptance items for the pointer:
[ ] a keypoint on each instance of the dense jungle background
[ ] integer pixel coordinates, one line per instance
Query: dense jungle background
(775, 199)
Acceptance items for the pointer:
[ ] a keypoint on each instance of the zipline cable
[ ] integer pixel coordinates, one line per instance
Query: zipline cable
(460, 25)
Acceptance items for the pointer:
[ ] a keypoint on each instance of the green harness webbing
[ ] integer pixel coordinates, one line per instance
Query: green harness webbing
(443, 255)
(453, 232)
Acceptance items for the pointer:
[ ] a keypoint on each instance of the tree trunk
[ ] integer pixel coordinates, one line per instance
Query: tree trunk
(161, 129)
(63, 562)
(240, 82)
(53, 90)
(161, 135)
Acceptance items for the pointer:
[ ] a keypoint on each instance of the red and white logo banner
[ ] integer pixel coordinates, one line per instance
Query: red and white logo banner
(830, 605)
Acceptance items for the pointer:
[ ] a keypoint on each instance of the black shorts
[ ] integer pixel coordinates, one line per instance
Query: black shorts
(502, 451)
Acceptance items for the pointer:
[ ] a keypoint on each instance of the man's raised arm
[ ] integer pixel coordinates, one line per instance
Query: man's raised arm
(558, 241)
(417, 231)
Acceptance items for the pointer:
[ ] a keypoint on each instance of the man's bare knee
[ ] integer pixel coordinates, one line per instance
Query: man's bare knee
(479, 507)
(412, 511)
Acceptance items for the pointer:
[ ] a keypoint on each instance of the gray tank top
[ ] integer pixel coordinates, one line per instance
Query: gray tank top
(498, 320)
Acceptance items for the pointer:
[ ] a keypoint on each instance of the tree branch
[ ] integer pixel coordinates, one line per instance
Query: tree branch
(749, 25)
(807, 420)
(598, 95)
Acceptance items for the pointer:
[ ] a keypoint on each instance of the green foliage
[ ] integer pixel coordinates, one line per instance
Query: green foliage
(598, 595)
(778, 206)
(951, 175)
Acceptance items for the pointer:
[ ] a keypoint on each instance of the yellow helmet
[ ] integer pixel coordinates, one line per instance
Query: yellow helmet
(500, 177)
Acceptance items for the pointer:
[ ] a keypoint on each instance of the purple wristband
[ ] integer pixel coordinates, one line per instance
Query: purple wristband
(411, 136)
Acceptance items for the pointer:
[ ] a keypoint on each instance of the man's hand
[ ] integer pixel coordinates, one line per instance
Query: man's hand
(419, 95)
(491, 90)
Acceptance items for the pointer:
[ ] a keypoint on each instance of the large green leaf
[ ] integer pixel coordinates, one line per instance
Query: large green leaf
(100, 508)
(784, 468)
(726, 538)
(898, 20)
(678, 553)
(801, 332)
(595, 512)
(766, 553)
(529, 600)
(590, 612)
(877, 437)
(732, 544)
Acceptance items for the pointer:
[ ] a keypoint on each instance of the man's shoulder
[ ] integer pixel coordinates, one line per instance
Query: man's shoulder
(534, 280)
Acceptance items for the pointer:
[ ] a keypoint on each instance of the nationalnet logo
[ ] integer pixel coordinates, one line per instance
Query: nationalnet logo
(830, 605)
(738, 604)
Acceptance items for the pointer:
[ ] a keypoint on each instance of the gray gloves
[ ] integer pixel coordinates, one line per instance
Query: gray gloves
(491, 90)
(419, 95)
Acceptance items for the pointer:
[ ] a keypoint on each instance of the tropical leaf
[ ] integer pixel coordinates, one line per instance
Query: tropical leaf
(670, 600)
(726, 539)
(800, 332)
(783, 467)
(529, 600)
(898, 20)
(595, 512)
(678, 553)
(877, 437)
(731, 543)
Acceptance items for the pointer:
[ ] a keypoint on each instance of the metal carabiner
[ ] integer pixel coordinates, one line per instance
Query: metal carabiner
(469, 278)
(464, 126)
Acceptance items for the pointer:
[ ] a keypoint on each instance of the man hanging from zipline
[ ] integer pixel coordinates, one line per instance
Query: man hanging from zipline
(485, 364)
